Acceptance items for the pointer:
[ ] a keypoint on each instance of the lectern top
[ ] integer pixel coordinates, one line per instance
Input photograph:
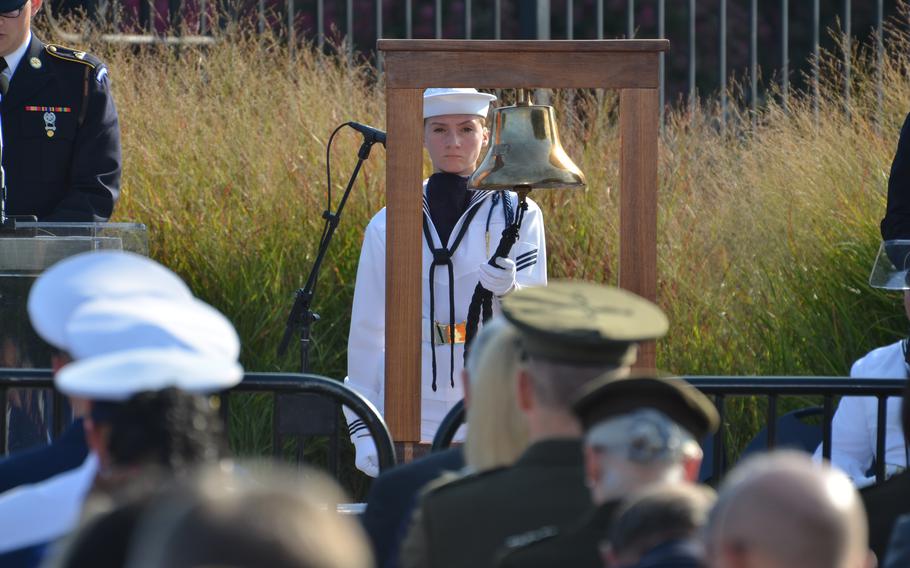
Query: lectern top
(528, 46)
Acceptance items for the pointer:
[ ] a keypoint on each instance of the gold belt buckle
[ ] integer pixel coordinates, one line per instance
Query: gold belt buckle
(444, 332)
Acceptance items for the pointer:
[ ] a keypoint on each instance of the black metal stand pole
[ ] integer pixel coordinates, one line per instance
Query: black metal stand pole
(301, 315)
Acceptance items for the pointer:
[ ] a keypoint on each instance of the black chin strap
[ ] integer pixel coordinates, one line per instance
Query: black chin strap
(443, 257)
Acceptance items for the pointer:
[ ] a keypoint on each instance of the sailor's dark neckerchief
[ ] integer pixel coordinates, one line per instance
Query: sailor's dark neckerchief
(446, 190)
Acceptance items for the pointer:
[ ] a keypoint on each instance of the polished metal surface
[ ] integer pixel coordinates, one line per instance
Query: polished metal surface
(525, 152)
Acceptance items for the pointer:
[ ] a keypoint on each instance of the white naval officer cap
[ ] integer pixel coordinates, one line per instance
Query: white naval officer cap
(108, 325)
(104, 274)
(119, 376)
(439, 101)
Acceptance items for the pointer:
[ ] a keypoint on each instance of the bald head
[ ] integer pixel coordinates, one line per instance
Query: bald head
(781, 510)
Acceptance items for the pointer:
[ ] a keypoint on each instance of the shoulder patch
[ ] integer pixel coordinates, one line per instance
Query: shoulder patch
(73, 55)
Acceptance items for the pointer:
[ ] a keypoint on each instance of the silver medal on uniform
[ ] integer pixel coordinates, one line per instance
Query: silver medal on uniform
(50, 120)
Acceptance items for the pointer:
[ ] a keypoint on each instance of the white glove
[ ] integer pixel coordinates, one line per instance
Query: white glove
(498, 279)
(366, 458)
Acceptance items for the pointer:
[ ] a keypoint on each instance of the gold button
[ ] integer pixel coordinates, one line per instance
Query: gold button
(50, 133)
(52, 49)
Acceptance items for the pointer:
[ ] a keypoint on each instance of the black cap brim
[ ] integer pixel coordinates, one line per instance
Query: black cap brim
(612, 396)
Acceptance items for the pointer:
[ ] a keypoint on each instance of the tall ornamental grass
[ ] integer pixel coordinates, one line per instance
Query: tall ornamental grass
(767, 225)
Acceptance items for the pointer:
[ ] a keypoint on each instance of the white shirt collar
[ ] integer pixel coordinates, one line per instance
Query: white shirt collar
(13, 59)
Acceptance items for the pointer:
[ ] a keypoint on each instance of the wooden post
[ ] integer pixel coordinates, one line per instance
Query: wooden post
(413, 65)
(638, 126)
(403, 262)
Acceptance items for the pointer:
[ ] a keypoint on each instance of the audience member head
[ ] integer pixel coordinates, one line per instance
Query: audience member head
(497, 431)
(570, 333)
(655, 516)
(641, 430)
(146, 409)
(782, 510)
(249, 519)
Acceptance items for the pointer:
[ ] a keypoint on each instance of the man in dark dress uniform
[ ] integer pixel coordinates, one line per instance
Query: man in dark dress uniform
(639, 431)
(61, 137)
(885, 502)
(896, 223)
(570, 333)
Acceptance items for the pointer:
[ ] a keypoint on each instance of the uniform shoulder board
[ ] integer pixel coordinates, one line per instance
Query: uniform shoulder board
(531, 537)
(76, 56)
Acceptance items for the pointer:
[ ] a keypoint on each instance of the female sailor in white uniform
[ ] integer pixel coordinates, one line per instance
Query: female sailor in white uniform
(461, 229)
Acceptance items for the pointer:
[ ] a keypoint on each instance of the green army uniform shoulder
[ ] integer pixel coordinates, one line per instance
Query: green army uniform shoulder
(61, 53)
(448, 483)
(548, 546)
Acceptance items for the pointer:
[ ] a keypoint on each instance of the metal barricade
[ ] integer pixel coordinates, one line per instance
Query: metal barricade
(276, 383)
(772, 388)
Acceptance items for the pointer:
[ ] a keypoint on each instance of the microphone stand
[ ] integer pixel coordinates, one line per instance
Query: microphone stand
(302, 316)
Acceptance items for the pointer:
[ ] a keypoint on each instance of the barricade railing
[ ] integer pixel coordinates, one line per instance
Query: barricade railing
(276, 383)
(773, 389)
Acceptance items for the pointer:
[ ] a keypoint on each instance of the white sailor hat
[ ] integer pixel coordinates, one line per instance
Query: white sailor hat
(104, 274)
(437, 102)
(103, 326)
(120, 376)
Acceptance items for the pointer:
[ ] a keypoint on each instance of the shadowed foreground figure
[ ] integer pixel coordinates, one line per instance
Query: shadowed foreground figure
(639, 431)
(781, 510)
(248, 519)
(569, 334)
(659, 526)
(497, 434)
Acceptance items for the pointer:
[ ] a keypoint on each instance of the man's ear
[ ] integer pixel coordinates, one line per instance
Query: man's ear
(96, 437)
(525, 388)
(593, 467)
(692, 467)
(36, 5)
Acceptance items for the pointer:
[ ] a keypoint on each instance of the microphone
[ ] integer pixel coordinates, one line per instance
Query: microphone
(371, 134)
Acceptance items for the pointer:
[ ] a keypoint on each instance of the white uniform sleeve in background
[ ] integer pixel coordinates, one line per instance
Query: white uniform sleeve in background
(366, 341)
(855, 423)
(530, 252)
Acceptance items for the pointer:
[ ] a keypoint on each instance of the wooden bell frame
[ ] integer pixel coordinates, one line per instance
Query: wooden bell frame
(631, 66)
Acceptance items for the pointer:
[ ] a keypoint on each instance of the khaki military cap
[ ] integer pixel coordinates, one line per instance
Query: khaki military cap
(582, 322)
(612, 396)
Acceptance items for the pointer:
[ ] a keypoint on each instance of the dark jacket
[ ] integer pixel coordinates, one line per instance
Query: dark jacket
(392, 497)
(673, 554)
(61, 137)
(578, 546)
(896, 224)
(884, 503)
(467, 521)
(898, 546)
(38, 464)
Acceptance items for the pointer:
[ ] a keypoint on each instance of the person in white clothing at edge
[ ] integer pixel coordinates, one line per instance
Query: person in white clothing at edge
(854, 428)
(461, 229)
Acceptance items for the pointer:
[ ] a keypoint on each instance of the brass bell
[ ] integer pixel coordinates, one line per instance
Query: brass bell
(525, 152)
